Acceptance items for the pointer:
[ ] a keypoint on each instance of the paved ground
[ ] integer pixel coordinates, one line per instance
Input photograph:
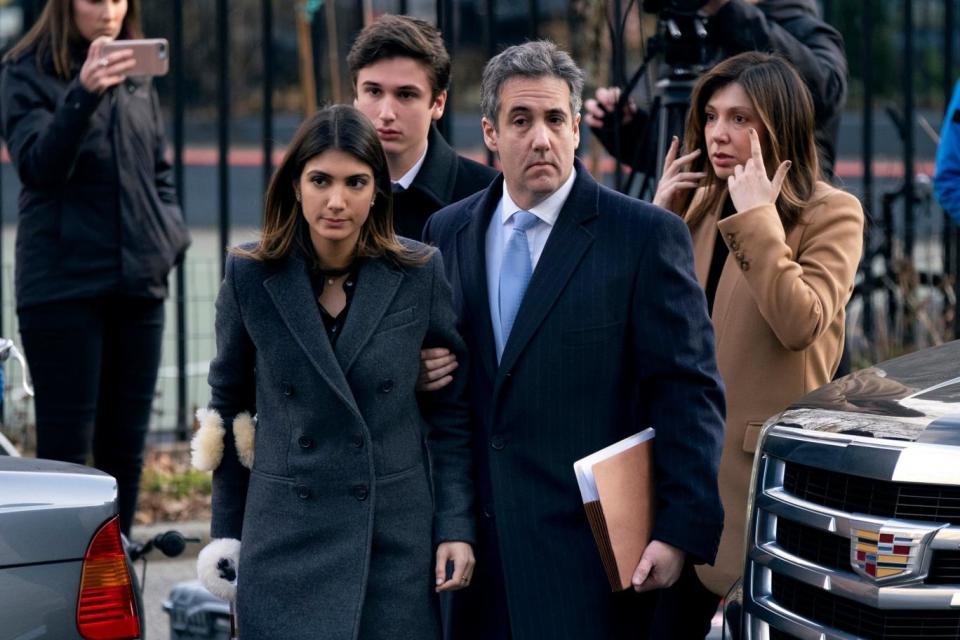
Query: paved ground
(164, 574)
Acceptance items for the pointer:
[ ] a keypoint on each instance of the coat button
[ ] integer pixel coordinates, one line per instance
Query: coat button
(386, 386)
(745, 265)
(734, 245)
(360, 493)
(731, 236)
(357, 440)
(488, 511)
(303, 492)
(497, 442)
(286, 388)
(740, 256)
(305, 442)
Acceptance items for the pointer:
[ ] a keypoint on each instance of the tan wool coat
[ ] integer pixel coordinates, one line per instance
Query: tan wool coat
(779, 321)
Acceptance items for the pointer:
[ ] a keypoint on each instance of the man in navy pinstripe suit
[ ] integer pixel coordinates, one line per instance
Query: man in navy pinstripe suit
(585, 324)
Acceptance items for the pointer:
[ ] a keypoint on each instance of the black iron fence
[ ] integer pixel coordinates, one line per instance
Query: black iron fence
(907, 287)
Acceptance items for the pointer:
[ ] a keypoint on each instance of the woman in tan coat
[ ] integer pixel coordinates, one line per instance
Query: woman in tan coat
(776, 250)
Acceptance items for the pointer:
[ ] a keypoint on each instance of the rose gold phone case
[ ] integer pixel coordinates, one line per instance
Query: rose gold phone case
(152, 55)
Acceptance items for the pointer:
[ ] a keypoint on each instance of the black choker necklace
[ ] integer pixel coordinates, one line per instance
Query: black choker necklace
(333, 274)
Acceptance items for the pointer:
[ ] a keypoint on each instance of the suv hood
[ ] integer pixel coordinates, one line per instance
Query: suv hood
(914, 398)
(50, 510)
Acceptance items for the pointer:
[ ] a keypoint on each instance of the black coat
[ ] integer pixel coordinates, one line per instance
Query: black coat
(612, 336)
(444, 178)
(98, 214)
(795, 30)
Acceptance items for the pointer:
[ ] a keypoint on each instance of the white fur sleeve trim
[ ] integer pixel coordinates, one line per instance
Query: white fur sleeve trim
(208, 573)
(206, 448)
(244, 432)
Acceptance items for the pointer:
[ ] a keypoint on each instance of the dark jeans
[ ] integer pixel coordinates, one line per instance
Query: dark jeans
(94, 367)
(685, 610)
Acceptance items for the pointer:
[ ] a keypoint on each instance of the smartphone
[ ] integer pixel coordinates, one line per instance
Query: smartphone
(151, 56)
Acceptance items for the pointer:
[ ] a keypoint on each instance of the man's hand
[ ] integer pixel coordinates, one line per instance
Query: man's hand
(436, 367)
(659, 567)
(605, 101)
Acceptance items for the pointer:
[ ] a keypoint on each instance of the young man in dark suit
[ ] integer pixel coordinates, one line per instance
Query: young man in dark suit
(584, 324)
(401, 73)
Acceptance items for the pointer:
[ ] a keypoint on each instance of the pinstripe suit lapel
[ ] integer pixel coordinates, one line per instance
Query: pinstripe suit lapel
(292, 295)
(472, 247)
(568, 242)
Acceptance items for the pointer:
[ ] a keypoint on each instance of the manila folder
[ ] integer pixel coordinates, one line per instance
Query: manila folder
(625, 487)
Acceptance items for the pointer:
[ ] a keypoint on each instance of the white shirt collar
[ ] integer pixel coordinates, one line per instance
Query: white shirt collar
(548, 211)
(407, 179)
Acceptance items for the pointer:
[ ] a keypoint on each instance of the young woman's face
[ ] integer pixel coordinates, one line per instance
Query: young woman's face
(336, 193)
(729, 116)
(95, 18)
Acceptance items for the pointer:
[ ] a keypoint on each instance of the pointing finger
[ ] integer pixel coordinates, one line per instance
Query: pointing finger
(755, 151)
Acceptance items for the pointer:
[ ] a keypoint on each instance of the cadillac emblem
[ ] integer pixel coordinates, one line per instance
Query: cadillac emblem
(889, 551)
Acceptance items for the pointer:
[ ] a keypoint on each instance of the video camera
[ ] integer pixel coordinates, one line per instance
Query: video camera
(681, 33)
(681, 43)
(676, 6)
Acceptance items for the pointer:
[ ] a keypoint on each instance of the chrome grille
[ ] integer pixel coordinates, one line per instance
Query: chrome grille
(860, 620)
(813, 493)
(833, 551)
(855, 494)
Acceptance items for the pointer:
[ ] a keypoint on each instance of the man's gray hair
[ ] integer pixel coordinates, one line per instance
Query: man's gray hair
(530, 60)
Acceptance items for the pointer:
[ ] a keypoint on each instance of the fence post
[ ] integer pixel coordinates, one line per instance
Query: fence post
(181, 431)
(908, 129)
(446, 25)
(223, 127)
(266, 23)
(866, 66)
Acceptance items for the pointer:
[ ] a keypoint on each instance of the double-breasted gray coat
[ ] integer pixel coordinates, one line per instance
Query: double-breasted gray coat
(339, 516)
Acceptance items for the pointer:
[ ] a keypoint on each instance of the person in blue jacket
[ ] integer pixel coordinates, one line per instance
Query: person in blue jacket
(946, 181)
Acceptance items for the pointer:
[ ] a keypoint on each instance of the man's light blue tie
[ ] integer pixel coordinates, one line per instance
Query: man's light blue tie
(515, 271)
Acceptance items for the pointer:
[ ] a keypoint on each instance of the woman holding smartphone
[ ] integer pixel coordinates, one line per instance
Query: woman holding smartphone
(347, 528)
(98, 231)
(776, 249)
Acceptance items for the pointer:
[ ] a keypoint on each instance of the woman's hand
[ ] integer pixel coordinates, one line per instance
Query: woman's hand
(749, 185)
(675, 180)
(461, 555)
(436, 367)
(100, 72)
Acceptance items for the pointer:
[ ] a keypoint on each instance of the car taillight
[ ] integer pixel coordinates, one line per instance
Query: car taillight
(106, 609)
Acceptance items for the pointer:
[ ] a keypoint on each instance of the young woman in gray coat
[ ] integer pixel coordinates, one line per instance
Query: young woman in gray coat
(325, 505)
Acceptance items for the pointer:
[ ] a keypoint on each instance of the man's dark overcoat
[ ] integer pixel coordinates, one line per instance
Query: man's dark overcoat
(612, 336)
(443, 179)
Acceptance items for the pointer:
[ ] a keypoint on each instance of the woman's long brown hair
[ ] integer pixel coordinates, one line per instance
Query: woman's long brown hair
(342, 128)
(783, 103)
(55, 31)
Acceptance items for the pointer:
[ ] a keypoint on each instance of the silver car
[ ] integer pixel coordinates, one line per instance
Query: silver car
(64, 573)
(63, 570)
